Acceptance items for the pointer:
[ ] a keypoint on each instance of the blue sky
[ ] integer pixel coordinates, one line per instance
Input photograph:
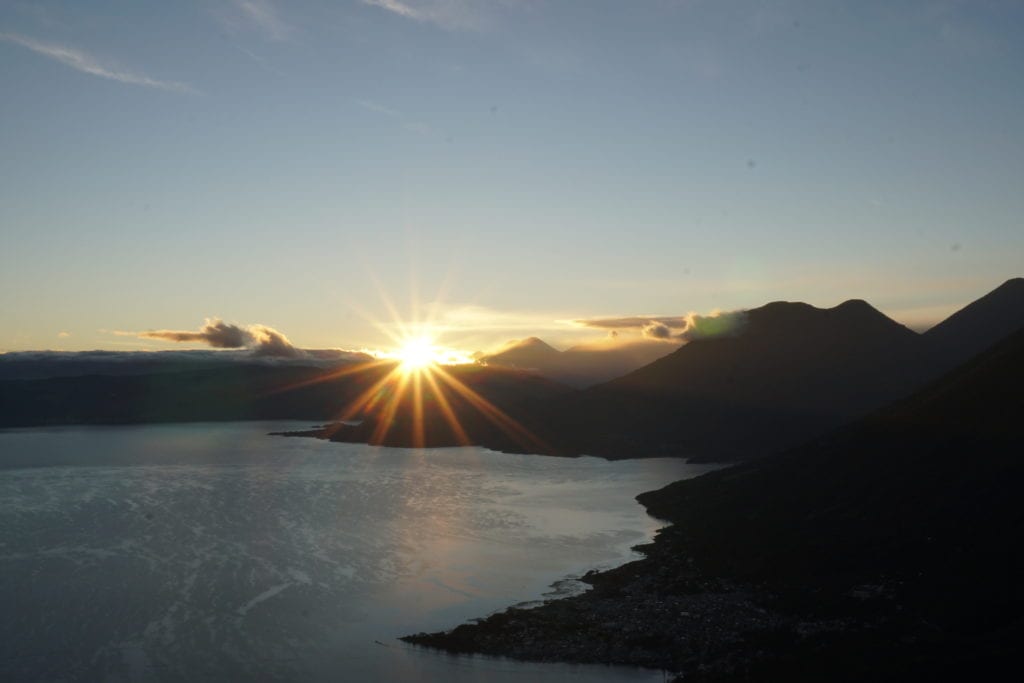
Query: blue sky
(506, 166)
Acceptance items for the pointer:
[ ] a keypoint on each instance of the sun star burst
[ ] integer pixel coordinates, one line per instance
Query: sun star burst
(417, 353)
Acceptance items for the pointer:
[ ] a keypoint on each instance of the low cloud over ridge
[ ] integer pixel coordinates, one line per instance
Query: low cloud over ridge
(718, 324)
(263, 340)
(674, 328)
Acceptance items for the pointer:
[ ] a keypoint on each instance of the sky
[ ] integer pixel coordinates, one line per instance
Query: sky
(503, 168)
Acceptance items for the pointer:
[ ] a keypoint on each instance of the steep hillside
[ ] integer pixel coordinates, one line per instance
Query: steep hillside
(980, 324)
(789, 372)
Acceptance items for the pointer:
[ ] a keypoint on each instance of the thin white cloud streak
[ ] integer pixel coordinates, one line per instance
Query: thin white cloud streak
(395, 115)
(447, 14)
(379, 108)
(264, 16)
(86, 63)
(397, 7)
(262, 61)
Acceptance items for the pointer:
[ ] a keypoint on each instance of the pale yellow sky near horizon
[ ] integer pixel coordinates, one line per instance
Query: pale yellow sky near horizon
(466, 329)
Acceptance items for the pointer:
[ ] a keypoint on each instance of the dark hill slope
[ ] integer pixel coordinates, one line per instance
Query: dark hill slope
(980, 324)
(787, 354)
(791, 371)
(923, 497)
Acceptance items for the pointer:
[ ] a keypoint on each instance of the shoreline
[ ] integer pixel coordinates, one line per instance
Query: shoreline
(627, 618)
(732, 592)
(662, 612)
(361, 432)
(657, 612)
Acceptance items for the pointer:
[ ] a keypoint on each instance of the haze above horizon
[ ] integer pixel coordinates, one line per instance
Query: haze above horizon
(351, 173)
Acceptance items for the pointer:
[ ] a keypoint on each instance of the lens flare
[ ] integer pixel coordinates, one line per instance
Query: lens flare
(417, 393)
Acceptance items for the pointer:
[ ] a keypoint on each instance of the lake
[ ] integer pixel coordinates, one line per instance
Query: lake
(214, 551)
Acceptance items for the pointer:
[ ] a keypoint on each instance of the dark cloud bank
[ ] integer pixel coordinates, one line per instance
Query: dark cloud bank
(262, 340)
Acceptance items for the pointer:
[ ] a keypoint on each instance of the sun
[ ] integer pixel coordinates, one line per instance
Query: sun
(416, 354)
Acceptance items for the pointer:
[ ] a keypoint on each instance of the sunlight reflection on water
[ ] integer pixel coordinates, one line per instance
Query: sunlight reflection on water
(210, 551)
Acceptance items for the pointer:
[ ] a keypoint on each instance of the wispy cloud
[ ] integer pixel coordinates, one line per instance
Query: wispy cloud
(448, 14)
(397, 7)
(262, 61)
(86, 63)
(380, 109)
(632, 322)
(662, 328)
(394, 115)
(261, 15)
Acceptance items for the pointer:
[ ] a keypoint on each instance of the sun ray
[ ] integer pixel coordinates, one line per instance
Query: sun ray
(353, 408)
(387, 417)
(497, 416)
(446, 411)
(337, 373)
(399, 407)
(418, 437)
(403, 331)
(367, 397)
(434, 308)
(414, 290)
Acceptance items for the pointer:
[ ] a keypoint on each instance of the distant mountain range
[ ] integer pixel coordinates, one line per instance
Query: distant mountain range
(789, 372)
(578, 366)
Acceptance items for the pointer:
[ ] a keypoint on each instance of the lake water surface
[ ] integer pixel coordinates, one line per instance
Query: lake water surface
(215, 552)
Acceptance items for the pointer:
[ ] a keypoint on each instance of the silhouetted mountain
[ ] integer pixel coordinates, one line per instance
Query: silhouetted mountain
(790, 372)
(526, 354)
(578, 366)
(920, 502)
(597, 363)
(891, 550)
(980, 324)
(937, 457)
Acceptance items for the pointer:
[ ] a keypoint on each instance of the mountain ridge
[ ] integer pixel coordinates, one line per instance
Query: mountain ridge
(785, 372)
(888, 549)
(789, 371)
(979, 324)
(579, 366)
